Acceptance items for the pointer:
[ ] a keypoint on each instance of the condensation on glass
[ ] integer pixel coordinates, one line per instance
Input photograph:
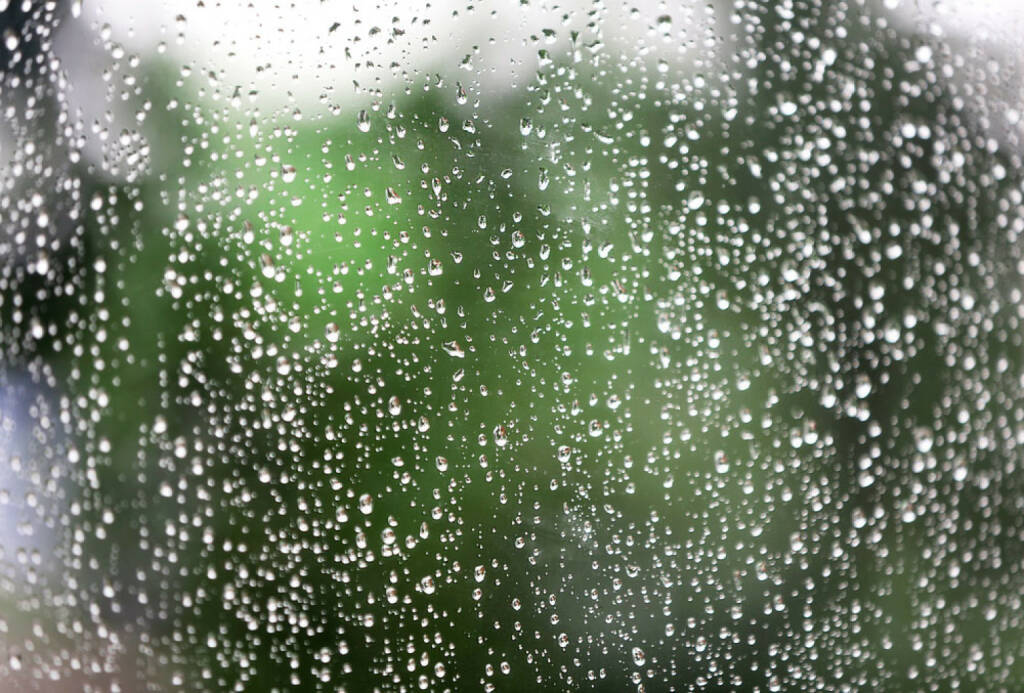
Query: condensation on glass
(513, 345)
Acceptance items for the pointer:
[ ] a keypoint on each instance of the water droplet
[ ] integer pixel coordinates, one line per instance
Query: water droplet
(453, 349)
(366, 504)
(363, 121)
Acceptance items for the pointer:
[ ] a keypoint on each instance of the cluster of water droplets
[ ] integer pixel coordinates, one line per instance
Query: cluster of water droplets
(687, 357)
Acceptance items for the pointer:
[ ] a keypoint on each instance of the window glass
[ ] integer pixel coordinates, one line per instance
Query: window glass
(511, 345)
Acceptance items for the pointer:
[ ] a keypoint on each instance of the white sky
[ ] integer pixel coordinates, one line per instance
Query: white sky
(291, 52)
(305, 46)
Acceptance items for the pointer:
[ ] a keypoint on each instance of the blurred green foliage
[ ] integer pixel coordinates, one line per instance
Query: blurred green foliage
(641, 428)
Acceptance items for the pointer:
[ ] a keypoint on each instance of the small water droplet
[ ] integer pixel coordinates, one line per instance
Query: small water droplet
(363, 121)
(332, 332)
(366, 504)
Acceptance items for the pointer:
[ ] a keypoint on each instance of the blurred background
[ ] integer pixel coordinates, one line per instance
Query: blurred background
(510, 345)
